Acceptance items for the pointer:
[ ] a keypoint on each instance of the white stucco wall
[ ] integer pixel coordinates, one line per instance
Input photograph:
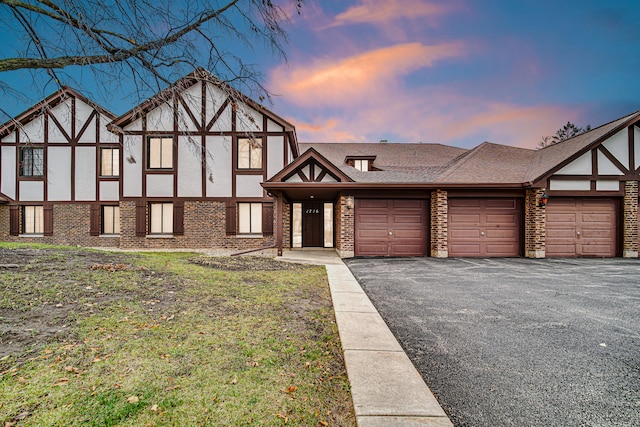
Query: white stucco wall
(618, 145)
(160, 185)
(219, 166)
(85, 178)
(275, 155)
(8, 171)
(249, 186)
(109, 191)
(132, 172)
(189, 167)
(62, 113)
(575, 185)
(606, 167)
(59, 173)
(32, 191)
(580, 166)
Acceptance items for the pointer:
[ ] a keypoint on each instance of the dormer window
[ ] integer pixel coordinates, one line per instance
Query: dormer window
(362, 163)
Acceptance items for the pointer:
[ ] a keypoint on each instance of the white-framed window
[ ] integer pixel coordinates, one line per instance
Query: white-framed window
(249, 153)
(32, 220)
(361, 164)
(160, 153)
(249, 218)
(31, 161)
(110, 220)
(161, 218)
(109, 162)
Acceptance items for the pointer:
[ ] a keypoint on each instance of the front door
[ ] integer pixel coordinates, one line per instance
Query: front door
(312, 224)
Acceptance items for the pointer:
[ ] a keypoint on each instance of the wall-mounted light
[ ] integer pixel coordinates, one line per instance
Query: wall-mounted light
(544, 199)
(349, 202)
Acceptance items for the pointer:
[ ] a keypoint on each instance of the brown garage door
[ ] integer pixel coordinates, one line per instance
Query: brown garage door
(484, 227)
(390, 227)
(581, 226)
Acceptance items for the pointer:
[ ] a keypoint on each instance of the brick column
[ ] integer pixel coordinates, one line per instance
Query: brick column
(535, 220)
(630, 244)
(345, 228)
(439, 229)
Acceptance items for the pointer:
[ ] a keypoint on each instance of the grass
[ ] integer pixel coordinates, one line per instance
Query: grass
(159, 340)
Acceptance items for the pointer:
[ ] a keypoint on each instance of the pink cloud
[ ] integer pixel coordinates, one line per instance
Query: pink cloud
(326, 82)
(383, 11)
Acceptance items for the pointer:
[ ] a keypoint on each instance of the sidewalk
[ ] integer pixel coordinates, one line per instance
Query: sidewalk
(386, 388)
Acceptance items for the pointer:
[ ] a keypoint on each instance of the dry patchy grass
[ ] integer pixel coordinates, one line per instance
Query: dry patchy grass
(100, 339)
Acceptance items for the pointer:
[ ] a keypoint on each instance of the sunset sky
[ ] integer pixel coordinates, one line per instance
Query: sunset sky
(457, 72)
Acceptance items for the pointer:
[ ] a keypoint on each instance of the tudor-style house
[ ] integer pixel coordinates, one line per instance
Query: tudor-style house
(202, 166)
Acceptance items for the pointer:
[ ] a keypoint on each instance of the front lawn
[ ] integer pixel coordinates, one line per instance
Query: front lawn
(90, 338)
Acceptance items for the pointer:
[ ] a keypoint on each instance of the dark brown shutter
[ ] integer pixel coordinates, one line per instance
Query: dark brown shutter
(141, 218)
(231, 219)
(94, 221)
(14, 220)
(48, 219)
(178, 217)
(267, 219)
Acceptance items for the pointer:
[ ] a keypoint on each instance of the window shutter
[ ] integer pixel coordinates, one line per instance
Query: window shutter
(231, 219)
(14, 220)
(267, 219)
(141, 218)
(48, 219)
(178, 217)
(94, 222)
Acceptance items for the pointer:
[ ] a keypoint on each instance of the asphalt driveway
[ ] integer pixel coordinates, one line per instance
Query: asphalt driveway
(517, 342)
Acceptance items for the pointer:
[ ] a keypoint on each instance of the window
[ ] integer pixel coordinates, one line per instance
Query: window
(109, 162)
(110, 220)
(161, 221)
(250, 218)
(160, 153)
(31, 161)
(361, 165)
(33, 220)
(249, 153)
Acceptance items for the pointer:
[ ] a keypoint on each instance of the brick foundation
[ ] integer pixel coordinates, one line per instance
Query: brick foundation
(630, 227)
(439, 227)
(71, 224)
(204, 227)
(535, 224)
(345, 228)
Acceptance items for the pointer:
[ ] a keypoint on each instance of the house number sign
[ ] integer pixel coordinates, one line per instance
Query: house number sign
(312, 211)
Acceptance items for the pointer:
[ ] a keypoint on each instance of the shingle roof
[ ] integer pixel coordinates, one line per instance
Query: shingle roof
(553, 155)
(404, 163)
(489, 163)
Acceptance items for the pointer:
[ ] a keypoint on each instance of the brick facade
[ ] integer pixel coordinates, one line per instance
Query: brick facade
(439, 228)
(71, 222)
(345, 227)
(204, 227)
(535, 224)
(630, 227)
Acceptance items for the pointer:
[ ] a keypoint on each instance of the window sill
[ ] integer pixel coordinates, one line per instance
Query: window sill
(159, 236)
(249, 236)
(109, 235)
(31, 235)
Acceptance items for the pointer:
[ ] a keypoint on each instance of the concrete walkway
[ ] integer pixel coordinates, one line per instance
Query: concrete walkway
(386, 388)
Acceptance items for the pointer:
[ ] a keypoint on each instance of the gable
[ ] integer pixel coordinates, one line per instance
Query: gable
(310, 167)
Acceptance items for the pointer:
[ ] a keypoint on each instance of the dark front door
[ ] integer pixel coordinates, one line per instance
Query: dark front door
(312, 224)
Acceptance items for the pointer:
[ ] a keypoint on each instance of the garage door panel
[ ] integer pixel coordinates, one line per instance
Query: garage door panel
(394, 227)
(581, 226)
(464, 219)
(380, 234)
(502, 234)
(484, 227)
(500, 204)
(372, 203)
(501, 219)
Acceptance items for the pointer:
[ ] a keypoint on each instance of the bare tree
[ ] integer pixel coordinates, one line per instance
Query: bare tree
(567, 131)
(149, 42)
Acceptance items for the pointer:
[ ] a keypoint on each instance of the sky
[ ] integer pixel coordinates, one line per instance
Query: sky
(457, 72)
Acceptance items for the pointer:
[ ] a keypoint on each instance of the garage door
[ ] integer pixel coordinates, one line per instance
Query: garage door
(484, 227)
(581, 226)
(390, 227)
